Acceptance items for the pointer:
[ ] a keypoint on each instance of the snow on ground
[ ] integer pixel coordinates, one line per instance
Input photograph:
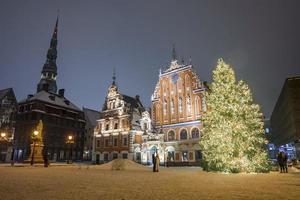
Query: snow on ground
(139, 182)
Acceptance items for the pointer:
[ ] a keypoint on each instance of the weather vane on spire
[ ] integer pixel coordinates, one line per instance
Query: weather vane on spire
(114, 76)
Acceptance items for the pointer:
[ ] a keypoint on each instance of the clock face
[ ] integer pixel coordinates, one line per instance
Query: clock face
(175, 78)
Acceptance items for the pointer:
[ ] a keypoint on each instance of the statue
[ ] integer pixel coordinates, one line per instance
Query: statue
(37, 146)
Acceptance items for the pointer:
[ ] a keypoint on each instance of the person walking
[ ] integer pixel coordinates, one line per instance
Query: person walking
(284, 162)
(280, 161)
(154, 162)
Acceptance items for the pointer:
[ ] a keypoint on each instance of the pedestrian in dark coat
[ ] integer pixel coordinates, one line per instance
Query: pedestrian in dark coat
(280, 161)
(154, 162)
(284, 162)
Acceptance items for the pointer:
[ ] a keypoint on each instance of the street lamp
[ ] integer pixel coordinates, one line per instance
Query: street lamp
(34, 137)
(3, 136)
(70, 141)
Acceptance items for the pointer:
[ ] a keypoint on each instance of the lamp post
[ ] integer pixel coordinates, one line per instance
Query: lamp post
(8, 140)
(70, 140)
(34, 137)
(2, 139)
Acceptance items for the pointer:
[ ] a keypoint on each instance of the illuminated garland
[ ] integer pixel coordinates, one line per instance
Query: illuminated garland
(233, 134)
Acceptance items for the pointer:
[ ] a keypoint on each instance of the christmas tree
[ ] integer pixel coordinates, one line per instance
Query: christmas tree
(233, 134)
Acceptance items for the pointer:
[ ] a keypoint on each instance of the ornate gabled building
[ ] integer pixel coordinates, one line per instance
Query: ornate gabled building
(59, 115)
(177, 105)
(118, 124)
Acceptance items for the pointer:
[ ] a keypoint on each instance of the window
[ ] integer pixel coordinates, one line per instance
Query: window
(116, 125)
(179, 85)
(171, 136)
(188, 104)
(105, 157)
(195, 133)
(180, 105)
(184, 156)
(172, 106)
(106, 142)
(187, 81)
(107, 127)
(183, 134)
(116, 142)
(125, 155)
(125, 141)
(198, 155)
(165, 107)
(98, 143)
(115, 156)
(197, 103)
(171, 156)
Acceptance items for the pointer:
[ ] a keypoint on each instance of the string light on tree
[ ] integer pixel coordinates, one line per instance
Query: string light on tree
(233, 135)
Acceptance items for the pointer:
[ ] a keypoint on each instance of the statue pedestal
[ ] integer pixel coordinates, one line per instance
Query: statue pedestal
(38, 153)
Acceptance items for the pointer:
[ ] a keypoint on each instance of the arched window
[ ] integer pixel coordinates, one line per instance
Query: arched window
(165, 107)
(188, 104)
(107, 127)
(171, 135)
(195, 133)
(197, 103)
(183, 134)
(172, 106)
(179, 85)
(187, 81)
(116, 125)
(124, 123)
(180, 104)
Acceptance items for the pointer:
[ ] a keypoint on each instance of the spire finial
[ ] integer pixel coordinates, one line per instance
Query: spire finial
(174, 56)
(56, 24)
(114, 76)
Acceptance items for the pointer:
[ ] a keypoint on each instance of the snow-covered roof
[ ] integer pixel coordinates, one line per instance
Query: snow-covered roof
(52, 98)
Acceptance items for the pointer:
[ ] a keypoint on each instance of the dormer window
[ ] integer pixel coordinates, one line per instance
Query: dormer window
(67, 102)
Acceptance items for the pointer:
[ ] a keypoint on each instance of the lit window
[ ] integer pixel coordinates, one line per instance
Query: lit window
(195, 133)
(188, 104)
(125, 141)
(165, 107)
(172, 106)
(171, 136)
(183, 134)
(116, 142)
(180, 105)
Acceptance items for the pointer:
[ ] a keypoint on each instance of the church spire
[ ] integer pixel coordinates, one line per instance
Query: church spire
(49, 71)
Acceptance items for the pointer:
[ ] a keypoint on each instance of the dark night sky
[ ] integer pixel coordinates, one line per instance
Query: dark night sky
(261, 39)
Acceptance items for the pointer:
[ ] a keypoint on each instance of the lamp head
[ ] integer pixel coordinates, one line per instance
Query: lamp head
(35, 133)
(3, 135)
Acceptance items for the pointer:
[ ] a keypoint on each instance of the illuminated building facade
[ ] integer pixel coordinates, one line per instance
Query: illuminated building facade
(177, 105)
(115, 132)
